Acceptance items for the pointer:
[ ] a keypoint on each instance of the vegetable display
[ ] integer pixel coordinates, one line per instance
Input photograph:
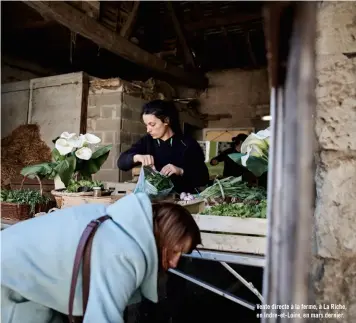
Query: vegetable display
(153, 183)
(29, 197)
(233, 187)
(83, 186)
(242, 210)
(186, 197)
(159, 181)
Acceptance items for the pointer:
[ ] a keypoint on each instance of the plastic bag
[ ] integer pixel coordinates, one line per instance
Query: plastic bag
(144, 184)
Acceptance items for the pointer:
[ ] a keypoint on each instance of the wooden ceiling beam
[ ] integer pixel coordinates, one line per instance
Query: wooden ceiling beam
(188, 56)
(92, 9)
(221, 21)
(126, 29)
(84, 25)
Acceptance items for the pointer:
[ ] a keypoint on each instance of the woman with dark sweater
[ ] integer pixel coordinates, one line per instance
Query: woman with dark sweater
(167, 149)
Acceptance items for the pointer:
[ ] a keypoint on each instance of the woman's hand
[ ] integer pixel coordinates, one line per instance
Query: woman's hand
(170, 169)
(145, 160)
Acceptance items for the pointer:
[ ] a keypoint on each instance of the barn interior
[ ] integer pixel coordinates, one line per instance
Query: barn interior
(97, 62)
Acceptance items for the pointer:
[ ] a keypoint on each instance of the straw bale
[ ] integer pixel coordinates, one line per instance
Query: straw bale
(21, 148)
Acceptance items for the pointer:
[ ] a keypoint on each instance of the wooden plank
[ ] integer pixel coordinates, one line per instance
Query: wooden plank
(82, 24)
(234, 243)
(219, 21)
(230, 224)
(91, 8)
(126, 29)
(188, 56)
(287, 271)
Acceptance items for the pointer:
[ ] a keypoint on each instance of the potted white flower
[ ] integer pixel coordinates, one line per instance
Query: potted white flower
(75, 159)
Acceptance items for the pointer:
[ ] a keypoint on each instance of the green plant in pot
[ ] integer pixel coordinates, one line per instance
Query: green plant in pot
(254, 152)
(28, 197)
(75, 159)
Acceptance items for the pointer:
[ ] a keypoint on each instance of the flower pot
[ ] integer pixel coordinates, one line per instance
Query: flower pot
(61, 192)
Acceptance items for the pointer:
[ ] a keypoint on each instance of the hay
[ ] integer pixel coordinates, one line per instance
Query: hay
(21, 148)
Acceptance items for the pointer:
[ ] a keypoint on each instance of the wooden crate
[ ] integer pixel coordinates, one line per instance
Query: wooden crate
(230, 234)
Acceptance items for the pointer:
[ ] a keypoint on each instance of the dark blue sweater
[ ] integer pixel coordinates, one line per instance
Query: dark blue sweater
(181, 151)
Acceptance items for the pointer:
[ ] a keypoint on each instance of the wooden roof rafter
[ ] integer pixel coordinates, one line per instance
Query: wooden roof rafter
(80, 23)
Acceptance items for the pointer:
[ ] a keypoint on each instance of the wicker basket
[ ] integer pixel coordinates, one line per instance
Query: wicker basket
(58, 195)
(20, 212)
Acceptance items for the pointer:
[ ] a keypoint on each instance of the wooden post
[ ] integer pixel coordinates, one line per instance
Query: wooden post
(291, 186)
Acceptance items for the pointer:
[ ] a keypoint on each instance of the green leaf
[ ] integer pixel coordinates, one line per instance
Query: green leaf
(41, 170)
(255, 165)
(92, 166)
(101, 151)
(28, 197)
(65, 169)
(56, 155)
(236, 157)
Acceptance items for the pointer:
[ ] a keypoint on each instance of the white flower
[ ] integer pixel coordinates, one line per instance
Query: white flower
(76, 141)
(67, 135)
(91, 139)
(84, 153)
(63, 146)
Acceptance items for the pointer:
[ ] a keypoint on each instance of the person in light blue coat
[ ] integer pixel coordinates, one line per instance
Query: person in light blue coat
(37, 259)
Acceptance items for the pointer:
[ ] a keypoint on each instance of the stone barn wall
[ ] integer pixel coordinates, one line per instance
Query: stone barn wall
(334, 271)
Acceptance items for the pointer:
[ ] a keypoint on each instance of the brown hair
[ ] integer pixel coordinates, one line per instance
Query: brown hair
(172, 224)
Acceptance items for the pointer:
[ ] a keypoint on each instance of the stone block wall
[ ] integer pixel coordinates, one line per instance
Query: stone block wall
(114, 116)
(243, 93)
(334, 265)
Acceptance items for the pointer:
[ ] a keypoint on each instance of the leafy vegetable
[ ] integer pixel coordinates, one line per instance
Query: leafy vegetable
(242, 210)
(83, 185)
(159, 181)
(233, 187)
(29, 197)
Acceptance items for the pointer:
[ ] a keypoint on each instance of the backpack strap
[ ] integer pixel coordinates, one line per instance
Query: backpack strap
(83, 252)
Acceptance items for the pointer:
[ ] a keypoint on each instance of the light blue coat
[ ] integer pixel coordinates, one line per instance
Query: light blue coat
(37, 258)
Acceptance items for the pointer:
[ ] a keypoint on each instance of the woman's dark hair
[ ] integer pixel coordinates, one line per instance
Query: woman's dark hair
(172, 224)
(165, 111)
(240, 138)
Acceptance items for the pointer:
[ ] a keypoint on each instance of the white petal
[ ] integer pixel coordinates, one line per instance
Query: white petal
(67, 135)
(84, 153)
(263, 134)
(244, 158)
(63, 146)
(92, 139)
(76, 141)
